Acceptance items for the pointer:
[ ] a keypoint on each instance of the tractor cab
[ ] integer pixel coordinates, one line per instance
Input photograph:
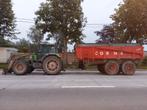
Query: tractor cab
(43, 49)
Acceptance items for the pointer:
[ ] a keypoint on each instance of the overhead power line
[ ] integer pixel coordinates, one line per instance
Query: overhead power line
(26, 20)
(23, 21)
(96, 24)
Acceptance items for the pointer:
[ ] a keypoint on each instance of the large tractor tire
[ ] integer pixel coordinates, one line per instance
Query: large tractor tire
(128, 68)
(52, 65)
(20, 68)
(101, 69)
(111, 68)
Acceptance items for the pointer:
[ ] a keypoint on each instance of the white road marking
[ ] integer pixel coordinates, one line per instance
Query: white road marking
(64, 87)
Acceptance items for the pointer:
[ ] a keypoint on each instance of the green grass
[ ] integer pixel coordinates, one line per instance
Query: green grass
(3, 65)
(142, 67)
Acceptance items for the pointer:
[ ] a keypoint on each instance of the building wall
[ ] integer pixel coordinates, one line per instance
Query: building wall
(2, 55)
(5, 53)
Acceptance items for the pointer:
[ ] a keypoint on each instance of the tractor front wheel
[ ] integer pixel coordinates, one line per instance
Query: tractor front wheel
(20, 68)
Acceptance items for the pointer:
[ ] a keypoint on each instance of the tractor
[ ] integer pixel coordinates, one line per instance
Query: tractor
(46, 58)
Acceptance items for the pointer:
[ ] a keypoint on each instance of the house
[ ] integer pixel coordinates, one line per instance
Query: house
(5, 53)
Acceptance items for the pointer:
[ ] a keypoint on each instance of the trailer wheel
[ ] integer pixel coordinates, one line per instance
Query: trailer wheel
(128, 68)
(101, 68)
(111, 68)
(20, 68)
(52, 65)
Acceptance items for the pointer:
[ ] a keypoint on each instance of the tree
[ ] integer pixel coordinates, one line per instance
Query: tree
(36, 36)
(63, 20)
(23, 45)
(7, 20)
(107, 34)
(5, 43)
(130, 21)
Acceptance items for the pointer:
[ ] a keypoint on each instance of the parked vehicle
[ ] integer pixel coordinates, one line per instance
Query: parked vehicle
(110, 59)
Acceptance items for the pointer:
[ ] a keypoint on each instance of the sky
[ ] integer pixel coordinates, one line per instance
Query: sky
(96, 12)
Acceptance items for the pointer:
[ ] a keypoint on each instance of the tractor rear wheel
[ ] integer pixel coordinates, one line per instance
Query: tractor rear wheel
(20, 68)
(128, 68)
(111, 68)
(52, 65)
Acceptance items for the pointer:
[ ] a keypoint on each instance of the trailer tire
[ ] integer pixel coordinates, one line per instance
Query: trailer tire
(52, 65)
(128, 68)
(111, 68)
(20, 68)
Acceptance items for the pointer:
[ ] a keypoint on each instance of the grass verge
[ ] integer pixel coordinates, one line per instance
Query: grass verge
(142, 67)
(3, 65)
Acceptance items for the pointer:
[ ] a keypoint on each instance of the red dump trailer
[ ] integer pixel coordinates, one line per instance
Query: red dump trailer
(111, 59)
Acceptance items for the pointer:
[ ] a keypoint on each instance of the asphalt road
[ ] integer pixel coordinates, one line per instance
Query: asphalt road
(74, 91)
